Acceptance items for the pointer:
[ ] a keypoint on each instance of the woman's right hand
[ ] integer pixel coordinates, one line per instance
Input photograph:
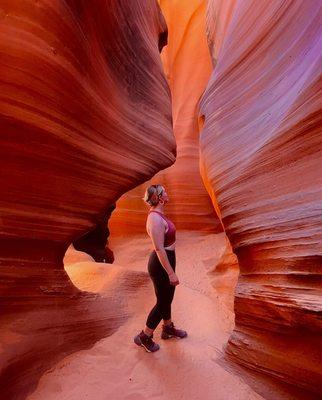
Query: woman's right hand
(173, 279)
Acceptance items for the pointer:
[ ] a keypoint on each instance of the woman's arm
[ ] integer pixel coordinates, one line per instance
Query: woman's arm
(156, 227)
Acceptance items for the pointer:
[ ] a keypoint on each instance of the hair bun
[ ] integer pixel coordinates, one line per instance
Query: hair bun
(152, 194)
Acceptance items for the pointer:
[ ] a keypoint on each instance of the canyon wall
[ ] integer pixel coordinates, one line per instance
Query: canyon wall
(82, 93)
(261, 160)
(187, 65)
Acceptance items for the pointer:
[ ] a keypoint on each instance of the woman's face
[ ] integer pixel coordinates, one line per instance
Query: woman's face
(164, 195)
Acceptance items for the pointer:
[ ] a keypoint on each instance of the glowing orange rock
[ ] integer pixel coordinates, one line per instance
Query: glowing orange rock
(187, 64)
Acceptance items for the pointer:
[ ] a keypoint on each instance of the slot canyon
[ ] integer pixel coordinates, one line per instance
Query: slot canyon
(220, 102)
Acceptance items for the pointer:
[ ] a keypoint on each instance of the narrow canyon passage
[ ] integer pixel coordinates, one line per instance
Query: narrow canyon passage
(228, 119)
(115, 368)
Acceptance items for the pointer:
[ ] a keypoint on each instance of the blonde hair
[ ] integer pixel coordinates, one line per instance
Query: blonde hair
(152, 194)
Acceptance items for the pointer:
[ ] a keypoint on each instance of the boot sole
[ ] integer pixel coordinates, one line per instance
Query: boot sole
(139, 343)
(173, 336)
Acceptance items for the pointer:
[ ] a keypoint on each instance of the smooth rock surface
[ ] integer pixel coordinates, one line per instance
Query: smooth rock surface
(261, 162)
(82, 91)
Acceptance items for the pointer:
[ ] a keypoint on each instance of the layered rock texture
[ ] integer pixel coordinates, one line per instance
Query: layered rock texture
(86, 116)
(187, 64)
(82, 93)
(261, 162)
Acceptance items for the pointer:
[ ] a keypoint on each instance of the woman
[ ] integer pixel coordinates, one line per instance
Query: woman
(161, 267)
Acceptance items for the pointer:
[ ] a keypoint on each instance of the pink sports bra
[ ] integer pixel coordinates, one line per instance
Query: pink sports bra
(170, 235)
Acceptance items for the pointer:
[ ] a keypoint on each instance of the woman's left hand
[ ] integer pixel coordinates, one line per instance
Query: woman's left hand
(173, 279)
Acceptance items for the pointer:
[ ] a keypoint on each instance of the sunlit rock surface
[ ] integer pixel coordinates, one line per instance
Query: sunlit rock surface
(223, 270)
(187, 64)
(82, 93)
(262, 161)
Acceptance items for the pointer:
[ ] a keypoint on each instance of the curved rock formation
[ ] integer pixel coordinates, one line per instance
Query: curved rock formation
(187, 65)
(74, 117)
(262, 160)
(82, 92)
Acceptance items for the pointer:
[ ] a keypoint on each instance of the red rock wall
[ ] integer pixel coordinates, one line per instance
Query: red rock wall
(187, 64)
(82, 92)
(74, 118)
(262, 160)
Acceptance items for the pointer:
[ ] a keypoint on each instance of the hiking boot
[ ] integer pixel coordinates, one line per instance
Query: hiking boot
(146, 341)
(169, 331)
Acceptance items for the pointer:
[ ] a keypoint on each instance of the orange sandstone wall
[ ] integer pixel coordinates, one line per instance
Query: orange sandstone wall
(82, 93)
(187, 64)
(261, 158)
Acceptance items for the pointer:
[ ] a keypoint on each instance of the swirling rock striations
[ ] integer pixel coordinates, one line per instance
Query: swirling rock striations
(82, 93)
(78, 85)
(187, 65)
(261, 155)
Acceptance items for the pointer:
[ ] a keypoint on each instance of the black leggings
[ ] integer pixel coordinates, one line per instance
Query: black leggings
(163, 289)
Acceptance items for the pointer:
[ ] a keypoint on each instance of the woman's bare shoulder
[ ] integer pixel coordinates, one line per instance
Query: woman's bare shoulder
(155, 219)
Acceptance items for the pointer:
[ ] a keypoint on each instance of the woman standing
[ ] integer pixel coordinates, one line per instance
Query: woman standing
(161, 268)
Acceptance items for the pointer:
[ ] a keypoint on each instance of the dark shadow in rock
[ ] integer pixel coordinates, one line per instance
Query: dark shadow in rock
(95, 241)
